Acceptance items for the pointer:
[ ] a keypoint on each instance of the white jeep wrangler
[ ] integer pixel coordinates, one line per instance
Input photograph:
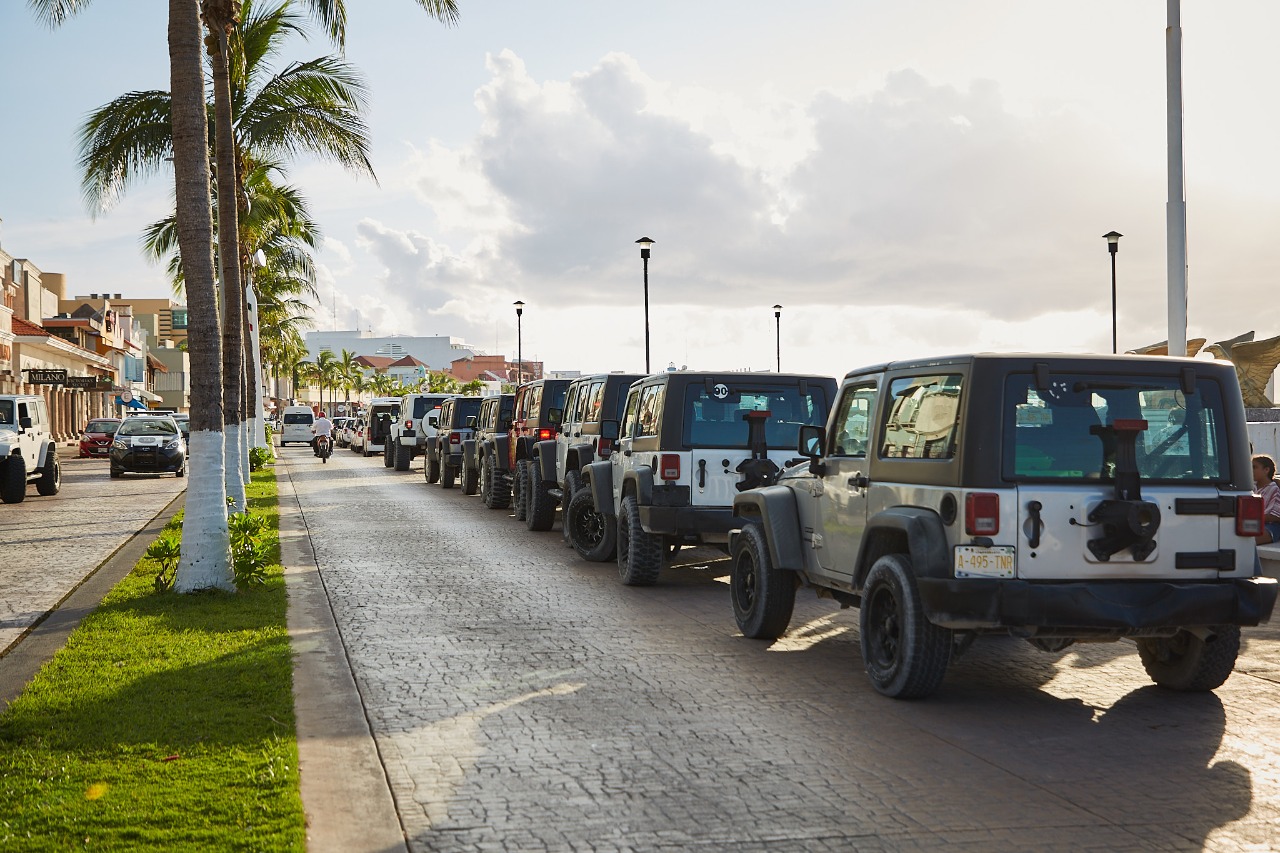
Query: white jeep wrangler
(1059, 499)
(27, 450)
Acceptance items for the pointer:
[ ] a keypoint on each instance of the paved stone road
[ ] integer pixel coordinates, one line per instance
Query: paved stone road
(49, 544)
(524, 700)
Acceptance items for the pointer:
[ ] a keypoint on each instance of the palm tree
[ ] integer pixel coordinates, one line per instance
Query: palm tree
(348, 370)
(382, 385)
(332, 14)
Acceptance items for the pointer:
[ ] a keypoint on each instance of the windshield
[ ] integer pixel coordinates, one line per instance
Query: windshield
(107, 427)
(1066, 431)
(148, 426)
(6, 413)
(719, 421)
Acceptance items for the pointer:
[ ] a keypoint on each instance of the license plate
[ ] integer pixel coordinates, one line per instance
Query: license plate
(976, 561)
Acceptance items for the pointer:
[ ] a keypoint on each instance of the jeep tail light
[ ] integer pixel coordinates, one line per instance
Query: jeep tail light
(1248, 516)
(455, 438)
(545, 433)
(408, 423)
(982, 514)
(669, 467)
(604, 447)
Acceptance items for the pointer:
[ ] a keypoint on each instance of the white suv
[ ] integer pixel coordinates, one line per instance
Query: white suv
(28, 453)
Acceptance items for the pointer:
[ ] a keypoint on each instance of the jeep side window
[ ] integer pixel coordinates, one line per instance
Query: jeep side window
(6, 412)
(921, 417)
(594, 403)
(853, 420)
(571, 405)
(650, 406)
(630, 425)
(23, 412)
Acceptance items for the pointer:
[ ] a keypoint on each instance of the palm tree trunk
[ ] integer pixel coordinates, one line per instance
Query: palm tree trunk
(206, 551)
(228, 253)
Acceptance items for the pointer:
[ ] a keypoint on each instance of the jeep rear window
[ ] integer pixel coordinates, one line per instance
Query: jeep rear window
(1061, 432)
(720, 421)
(422, 405)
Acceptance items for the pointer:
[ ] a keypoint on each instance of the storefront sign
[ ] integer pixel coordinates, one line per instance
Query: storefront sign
(89, 383)
(45, 376)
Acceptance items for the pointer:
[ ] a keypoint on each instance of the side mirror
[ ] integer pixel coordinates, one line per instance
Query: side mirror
(25, 423)
(556, 416)
(809, 445)
(433, 420)
(609, 430)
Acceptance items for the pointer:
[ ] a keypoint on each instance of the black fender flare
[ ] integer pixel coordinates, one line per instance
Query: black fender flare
(774, 509)
(579, 455)
(544, 456)
(919, 530)
(48, 448)
(470, 458)
(598, 477)
(639, 482)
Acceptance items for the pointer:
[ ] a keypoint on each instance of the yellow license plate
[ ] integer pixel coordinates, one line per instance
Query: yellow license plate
(976, 561)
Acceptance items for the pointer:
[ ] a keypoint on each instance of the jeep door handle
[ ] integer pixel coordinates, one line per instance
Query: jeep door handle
(859, 481)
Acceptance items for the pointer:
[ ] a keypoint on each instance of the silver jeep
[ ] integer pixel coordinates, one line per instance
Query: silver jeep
(1059, 499)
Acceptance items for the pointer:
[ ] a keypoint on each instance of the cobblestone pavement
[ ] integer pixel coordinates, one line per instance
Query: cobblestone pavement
(522, 699)
(49, 544)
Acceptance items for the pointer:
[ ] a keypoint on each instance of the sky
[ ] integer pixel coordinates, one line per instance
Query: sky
(906, 179)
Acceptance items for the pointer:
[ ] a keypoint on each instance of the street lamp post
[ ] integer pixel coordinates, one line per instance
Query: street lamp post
(519, 344)
(645, 243)
(1113, 245)
(777, 337)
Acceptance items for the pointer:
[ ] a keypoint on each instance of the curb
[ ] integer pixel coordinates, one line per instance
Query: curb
(345, 791)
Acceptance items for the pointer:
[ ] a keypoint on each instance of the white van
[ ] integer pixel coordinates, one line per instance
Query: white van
(378, 418)
(295, 425)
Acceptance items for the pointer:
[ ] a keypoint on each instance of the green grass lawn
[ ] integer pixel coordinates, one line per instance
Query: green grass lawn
(166, 723)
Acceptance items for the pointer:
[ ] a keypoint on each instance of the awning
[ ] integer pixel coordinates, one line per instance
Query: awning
(148, 395)
(132, 404)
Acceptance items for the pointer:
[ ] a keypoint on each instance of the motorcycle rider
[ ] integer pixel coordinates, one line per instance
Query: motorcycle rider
(322, 426)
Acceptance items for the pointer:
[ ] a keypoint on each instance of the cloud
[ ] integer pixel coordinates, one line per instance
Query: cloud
(933, 209)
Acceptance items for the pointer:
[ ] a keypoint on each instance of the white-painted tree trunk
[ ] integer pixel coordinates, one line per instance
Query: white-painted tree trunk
(206, 555)
(234, 479)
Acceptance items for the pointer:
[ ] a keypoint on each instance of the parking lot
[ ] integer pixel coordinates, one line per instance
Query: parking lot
(522, 699)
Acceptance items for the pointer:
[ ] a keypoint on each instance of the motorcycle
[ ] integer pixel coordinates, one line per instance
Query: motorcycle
(323, 447)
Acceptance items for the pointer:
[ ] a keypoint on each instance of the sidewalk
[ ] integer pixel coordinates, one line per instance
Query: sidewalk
(345, 792)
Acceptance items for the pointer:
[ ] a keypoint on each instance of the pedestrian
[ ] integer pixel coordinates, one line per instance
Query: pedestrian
(1264, 482)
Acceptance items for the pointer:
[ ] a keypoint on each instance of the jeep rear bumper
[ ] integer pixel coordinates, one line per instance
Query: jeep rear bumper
(1120, 607)
(702, 524)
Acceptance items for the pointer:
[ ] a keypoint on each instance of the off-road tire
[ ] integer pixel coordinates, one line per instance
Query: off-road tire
(403, 457)
(541, 514)
(518, 491)
(639, 553)
(115, 475)
(470, 479)
(432, 468)
(51, 480)
(13, 480)
(498, 494)
(905, 655)
(1187, 663)
(592, 535)
(763, 595)
(572, 485)
(448, 475)
(388, 460)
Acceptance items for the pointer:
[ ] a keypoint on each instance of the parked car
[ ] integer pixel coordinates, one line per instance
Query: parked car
(953, 498)
(339, 427)
(484, 455)
(444, 449)
(689, 441)
(95, 440)
(588, 404)
(28, 453)
(377, 424)
(536, 417)
(148, 445)
(412, 428)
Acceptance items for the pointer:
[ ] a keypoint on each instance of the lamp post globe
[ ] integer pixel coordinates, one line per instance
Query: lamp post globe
(645, 243)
